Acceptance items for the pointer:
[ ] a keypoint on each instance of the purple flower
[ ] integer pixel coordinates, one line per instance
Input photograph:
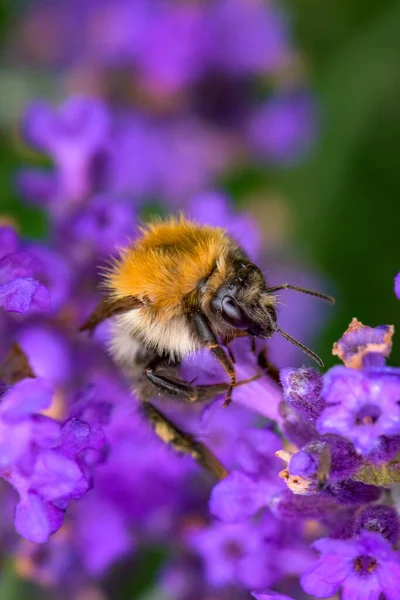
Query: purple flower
(362, 405)
(41, 342)
(362, 346)
(44, 461)
(56, 273)
(9, 242)
(20, 290)
(247, 37)
(73, 136)
(103, 225)
(172, 52)
(397, 285)
(17, 426)
(102, 535)
(234, 553)
(214, 208)
(283, 128)
(364, 567)
(242, 493)
(38, 187)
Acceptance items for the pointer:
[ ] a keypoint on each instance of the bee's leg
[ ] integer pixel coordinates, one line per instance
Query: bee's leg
(183, 442)
(163, 376)
(226, 341)
(264, 364)
(207, 336)
(178, 389)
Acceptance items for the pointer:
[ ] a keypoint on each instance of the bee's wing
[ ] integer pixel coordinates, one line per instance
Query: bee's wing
(106, 309)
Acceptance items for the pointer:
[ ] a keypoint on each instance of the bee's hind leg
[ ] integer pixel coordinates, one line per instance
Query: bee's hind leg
(183, 442)
(163, 379)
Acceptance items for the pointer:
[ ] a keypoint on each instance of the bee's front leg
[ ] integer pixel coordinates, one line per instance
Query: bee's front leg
(207, 336)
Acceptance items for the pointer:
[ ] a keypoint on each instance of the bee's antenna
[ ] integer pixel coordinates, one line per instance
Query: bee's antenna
(296, 288)
(302, 347)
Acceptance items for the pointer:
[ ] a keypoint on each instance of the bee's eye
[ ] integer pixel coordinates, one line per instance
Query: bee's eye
(232, 312)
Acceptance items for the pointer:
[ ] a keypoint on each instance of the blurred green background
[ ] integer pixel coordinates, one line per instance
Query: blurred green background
(345, 196)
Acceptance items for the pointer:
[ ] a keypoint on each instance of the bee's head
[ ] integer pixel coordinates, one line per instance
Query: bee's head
(243, 302)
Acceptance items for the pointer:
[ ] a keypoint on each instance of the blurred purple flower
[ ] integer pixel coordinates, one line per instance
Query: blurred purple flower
(172, 48)
(73, 136)
(41, 342)
(43, 460)
(361, 405)
(247, 37)
(397, 285)
(20, 290)
(242, 493)
(282, 129)
(104, 224)
(234, 553)
(365, 567)
(271, 596)
(9, 242)
(214, 208)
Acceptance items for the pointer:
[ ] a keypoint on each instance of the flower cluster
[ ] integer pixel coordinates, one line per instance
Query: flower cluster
(342, 438)
(199, 87)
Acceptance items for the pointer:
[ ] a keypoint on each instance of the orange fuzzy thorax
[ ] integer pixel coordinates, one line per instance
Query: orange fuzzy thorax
(167, 262)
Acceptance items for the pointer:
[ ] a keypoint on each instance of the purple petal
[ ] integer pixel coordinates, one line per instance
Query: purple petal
(14, 441)
(36, 186)
(32, 519)
(294, 506)
(365, 588)
(102, 536)
(18, 265)
(389, 576)
(397, 285)
(46, 432)
(271, 596)
(55, 516)
(41, 299)
(38, 125)
(237, 497)
(255, 451)
(325, 578)
(8, 240)
(25, 398)
(56, 476)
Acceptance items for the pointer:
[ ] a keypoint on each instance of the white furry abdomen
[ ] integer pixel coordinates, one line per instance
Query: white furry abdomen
(173, 337)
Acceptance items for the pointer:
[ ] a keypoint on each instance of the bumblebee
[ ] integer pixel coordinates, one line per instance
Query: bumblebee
(178, 288)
